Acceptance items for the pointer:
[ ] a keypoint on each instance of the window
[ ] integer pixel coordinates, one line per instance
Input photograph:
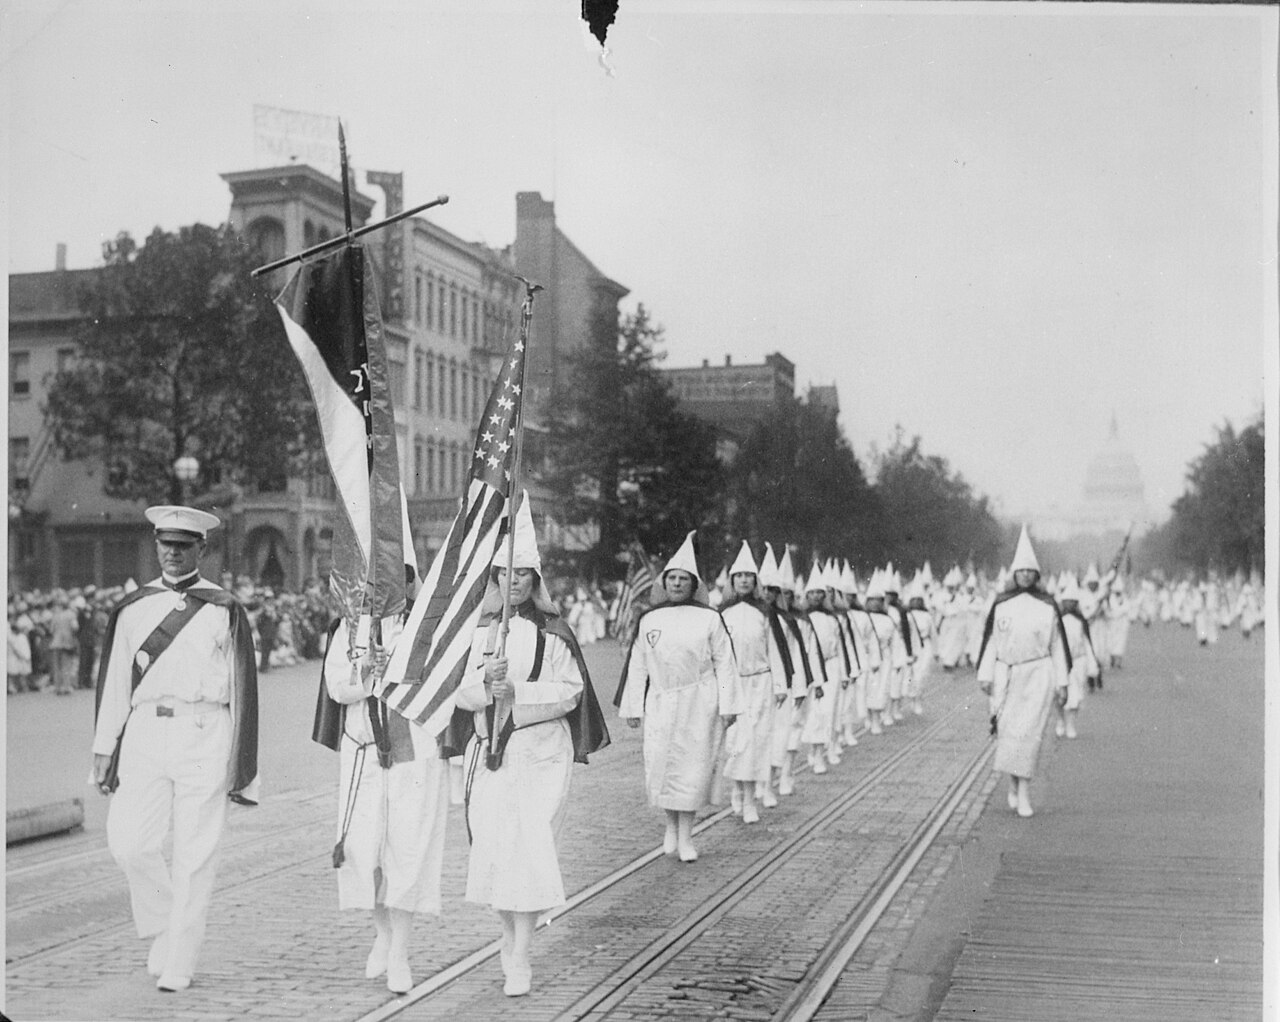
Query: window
(440, 377)
(463, 317)
(431, 468)
(466, 392)
(266, 236)
(453, 470)
(19, 453)
(453, 391)
(417, 298)
(431, 383)
(20, 374)
(419, 467)
(440, 309)
(476, 407)
(453, 312)
(397, 374)
(75, 561)
(308, 234)
(418, 361)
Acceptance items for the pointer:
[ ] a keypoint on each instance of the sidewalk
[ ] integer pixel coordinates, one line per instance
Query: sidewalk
(1135, 891)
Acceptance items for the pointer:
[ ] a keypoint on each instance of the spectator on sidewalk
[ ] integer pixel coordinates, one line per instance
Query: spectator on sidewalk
(19, 652)
(63, 644)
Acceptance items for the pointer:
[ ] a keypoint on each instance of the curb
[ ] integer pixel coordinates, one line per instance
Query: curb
(55, 818)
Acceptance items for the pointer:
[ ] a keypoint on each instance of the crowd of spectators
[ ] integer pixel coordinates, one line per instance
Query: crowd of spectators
(55, 637)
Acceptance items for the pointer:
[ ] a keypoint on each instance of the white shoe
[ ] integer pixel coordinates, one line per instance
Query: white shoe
(158, 954)
(786, 786)
(1060, 729)
(768, 799)
(1025, 810)
(1013, 799)
(833, 756)
(897, 714)
(886, 718)
(750, 814)
(917, 708)
(669, 841)
(519, 981)
(849, 738)
(875, 727)
(735, 801)
(399, 978)
(1071, 731)
(819, 766)
(688, 853)
(173, 984)
(376, 964)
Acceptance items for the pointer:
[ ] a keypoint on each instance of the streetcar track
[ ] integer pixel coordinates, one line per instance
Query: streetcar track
(699, 919)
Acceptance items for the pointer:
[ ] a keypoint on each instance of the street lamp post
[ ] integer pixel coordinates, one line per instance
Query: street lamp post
(185, 470)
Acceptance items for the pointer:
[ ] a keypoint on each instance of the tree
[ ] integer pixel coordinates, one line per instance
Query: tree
(797, 481)
(181, 353)
(931, 513)
(622, 454)
(1219, 521)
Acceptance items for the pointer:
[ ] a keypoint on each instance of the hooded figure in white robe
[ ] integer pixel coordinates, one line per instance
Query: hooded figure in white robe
(681, 684)
(1023, 666)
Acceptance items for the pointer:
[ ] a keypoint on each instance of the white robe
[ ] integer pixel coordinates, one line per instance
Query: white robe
(1084, 664)
(397, 815)
(681, 681)
(953, 631)
(922, 643)
(762, 678)
(788, 721)
(820, 721)
(515, 812)
(1023, 666)
(890, 654)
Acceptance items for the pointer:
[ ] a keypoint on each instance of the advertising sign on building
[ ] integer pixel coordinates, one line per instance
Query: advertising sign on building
(281, 137)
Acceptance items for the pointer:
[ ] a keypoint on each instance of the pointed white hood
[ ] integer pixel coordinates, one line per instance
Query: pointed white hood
(685, 559)
(744, 562)
(1024, 558)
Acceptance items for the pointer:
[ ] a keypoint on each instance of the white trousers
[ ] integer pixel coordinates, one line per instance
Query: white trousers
(171, 769)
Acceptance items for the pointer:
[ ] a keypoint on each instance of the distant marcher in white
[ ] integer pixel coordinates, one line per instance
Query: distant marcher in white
(1023, 665)
(1085, 668)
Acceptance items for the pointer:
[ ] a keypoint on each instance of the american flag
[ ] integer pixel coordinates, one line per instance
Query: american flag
(428, 661)
(634, 592)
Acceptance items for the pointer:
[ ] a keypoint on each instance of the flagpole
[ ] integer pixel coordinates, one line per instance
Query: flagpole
(513, 496)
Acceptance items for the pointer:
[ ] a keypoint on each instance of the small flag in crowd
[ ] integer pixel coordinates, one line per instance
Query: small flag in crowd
(331, 316)
(633, 598)
(426, 666)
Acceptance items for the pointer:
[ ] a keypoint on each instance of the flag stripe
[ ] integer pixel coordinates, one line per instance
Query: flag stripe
(342, 426)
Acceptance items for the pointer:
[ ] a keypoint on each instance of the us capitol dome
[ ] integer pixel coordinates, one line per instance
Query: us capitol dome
(1113, 496)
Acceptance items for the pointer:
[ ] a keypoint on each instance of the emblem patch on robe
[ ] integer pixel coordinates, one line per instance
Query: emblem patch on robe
(1004, 624)
(653, 637)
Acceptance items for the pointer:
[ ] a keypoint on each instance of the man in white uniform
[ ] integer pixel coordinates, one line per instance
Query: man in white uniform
(178, 669)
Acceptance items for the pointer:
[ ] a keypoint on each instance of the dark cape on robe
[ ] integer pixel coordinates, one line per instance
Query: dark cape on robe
(243, 766)
(586, 721)
(1038, 594)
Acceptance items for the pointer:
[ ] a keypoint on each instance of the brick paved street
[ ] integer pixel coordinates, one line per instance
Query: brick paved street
(279, 949)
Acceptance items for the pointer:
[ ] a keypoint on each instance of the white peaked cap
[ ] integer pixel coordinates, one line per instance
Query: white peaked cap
(1117, 586)
(1002, 579)
(816, 581)
(525, 553)
(130, 585)
(848, 580)
(685, 559)
(769, 568)
(875, 588)
(786, 573)
(953, 577)
(187, 521)
(744, 561)
(1092, 575)
(1024, 558)
(927, 573)
(722, 579)
(971, 582)
(831, 574)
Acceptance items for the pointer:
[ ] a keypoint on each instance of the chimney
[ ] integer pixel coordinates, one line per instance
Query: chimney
(728, 360)
(706, 362)
(60, 260)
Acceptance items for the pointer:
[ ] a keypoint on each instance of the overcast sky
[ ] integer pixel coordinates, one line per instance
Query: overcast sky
(992, 224)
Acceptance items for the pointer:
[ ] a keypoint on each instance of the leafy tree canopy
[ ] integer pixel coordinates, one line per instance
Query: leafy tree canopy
(181, 353)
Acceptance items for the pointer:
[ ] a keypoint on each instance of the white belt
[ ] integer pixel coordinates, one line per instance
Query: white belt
(180, 707)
